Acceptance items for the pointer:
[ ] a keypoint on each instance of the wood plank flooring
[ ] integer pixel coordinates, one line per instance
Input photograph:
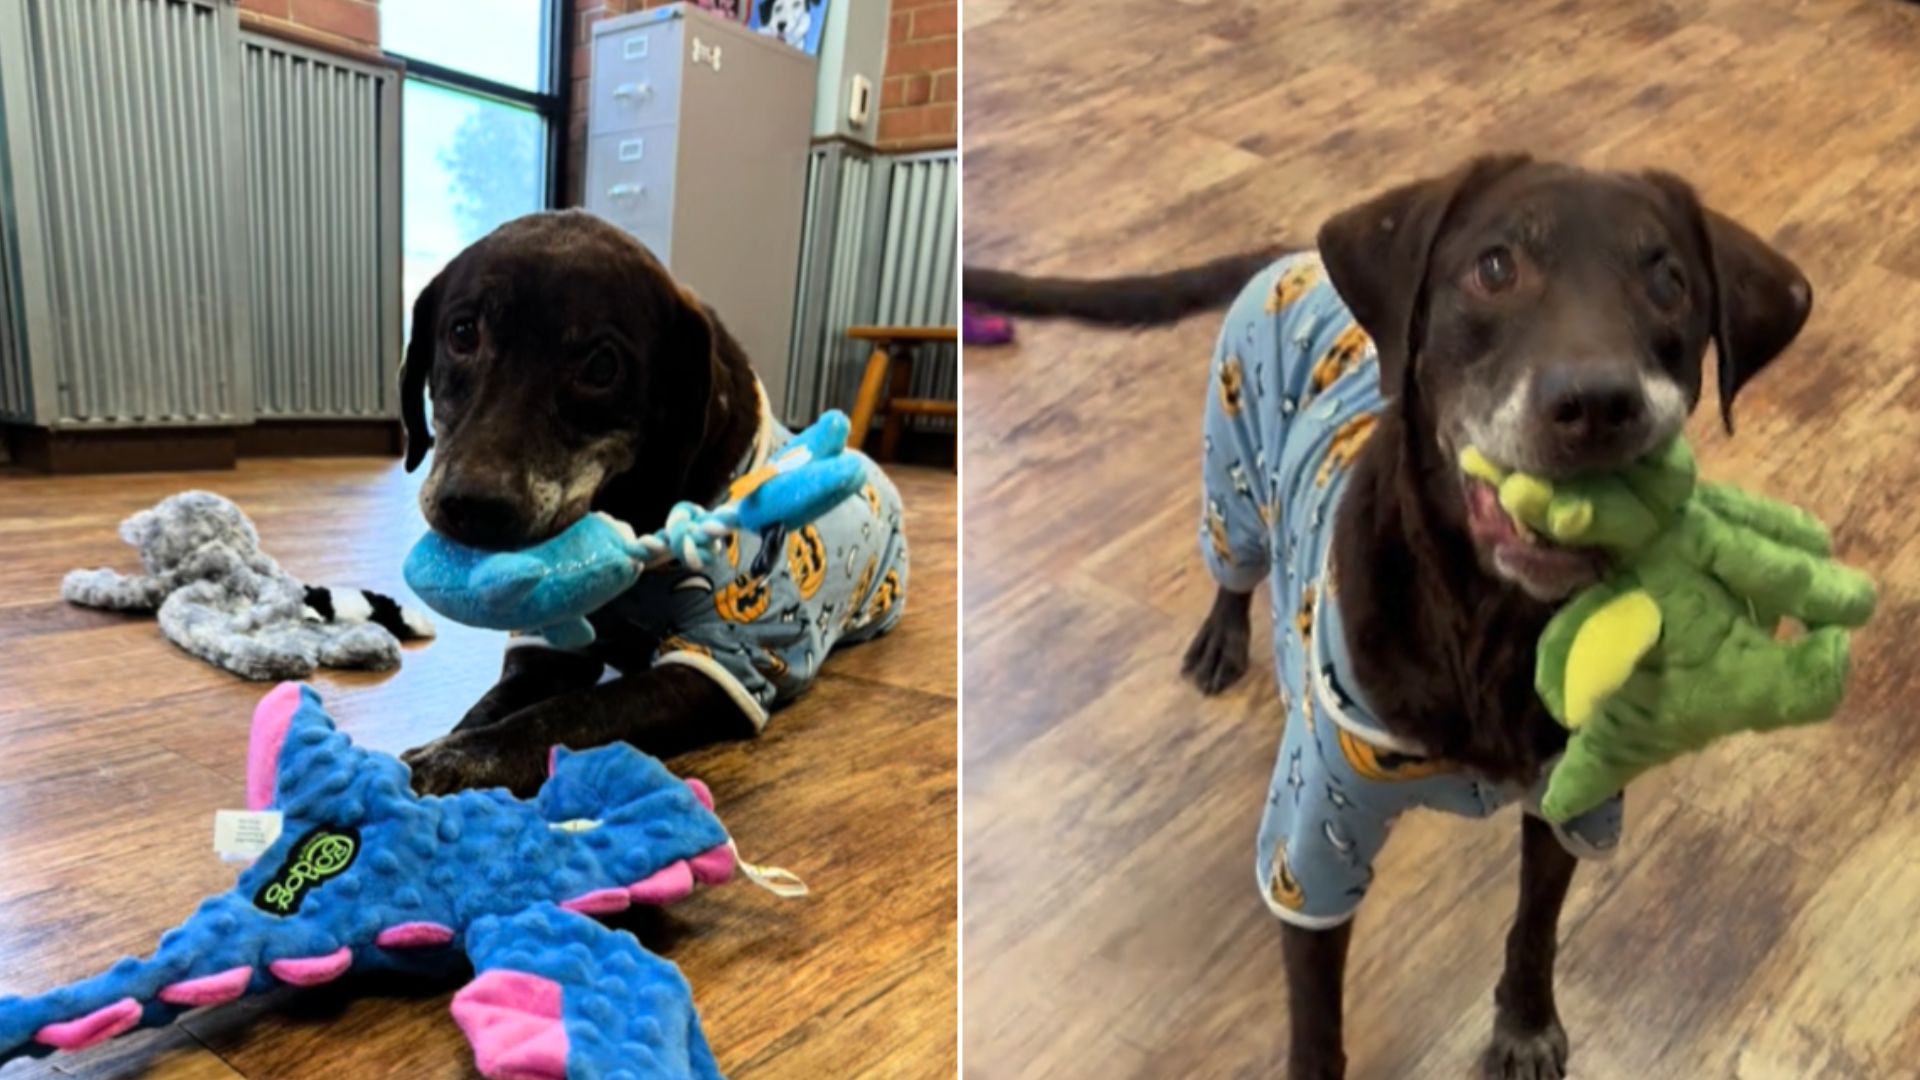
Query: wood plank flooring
(1762, 920)
(116, 748)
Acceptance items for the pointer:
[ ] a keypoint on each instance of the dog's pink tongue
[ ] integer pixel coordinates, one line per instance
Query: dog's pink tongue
(1487, 518)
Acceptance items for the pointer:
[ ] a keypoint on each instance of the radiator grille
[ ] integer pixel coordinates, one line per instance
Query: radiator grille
(878, 248)
(833, 242)
(322, 191)
(917, 286)
(15, 402)
(139, 182)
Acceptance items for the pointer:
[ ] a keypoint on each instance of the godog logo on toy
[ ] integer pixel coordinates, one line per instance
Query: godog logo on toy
(321, 854)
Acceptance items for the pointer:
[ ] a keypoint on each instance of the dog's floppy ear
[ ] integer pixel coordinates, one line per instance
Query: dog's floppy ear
(1377, 255)
(1760, 298)
(416, 368)
(681, 399)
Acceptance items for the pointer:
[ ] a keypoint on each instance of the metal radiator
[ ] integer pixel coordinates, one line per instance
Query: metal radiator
(129, 217)
(878, 247)
(14, 390)
(917, 267)
(323, 196)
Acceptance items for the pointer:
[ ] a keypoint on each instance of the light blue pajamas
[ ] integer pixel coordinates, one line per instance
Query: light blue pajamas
(1294, 394)
(761, 621)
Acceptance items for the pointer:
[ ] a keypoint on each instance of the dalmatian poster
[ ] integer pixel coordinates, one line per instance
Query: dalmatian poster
(796, 22)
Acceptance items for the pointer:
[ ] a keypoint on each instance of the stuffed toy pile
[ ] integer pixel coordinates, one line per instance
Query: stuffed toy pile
(226, 601)
(550, 589)
(1681, 644)
(367, 876)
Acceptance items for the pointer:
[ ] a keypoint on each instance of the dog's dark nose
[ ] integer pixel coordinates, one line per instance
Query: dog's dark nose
(480, 519)
(1590, 410)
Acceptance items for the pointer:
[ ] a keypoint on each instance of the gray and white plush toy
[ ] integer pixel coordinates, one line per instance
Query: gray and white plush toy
(224, 600)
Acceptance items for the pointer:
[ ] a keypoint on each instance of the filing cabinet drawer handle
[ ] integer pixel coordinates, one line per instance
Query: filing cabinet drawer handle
(636, 91)
(626, 191)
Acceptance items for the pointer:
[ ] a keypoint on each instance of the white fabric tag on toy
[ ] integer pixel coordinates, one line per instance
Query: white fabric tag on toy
(244, 835)
(784, 884)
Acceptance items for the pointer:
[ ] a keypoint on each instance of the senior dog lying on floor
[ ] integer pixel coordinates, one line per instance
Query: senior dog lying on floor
(1556, 319)
(570, 373)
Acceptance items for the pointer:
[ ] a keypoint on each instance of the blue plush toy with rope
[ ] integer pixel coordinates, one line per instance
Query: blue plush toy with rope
(550, 588)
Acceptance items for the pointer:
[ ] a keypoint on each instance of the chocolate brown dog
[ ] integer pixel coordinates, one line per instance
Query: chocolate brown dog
(569, 373)
(1555, 318)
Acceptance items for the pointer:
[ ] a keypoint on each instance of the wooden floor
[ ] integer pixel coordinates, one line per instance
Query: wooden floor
(1760, 920)
(116, 749)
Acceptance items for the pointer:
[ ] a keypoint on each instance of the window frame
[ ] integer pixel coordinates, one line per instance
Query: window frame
(550, 103)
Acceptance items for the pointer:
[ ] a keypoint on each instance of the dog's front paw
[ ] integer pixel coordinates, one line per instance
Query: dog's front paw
(463, 761)
(1526, 1054)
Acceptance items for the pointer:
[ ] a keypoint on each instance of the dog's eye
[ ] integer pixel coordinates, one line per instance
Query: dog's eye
(1666, 286)
(1495, 271)
(464, 335)
(601, 370)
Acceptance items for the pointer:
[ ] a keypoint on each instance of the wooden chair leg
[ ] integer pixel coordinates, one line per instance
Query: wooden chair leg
(872, 383)
(890, 427)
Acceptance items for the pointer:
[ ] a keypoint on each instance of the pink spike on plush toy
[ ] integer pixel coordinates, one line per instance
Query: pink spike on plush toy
(217, 989)
(599, 902)
(96, 1027)
(271, 718)
(414, 935)
(313, 970)
(713, 866)
(667, 884)
(701, 791)
(513, 1021)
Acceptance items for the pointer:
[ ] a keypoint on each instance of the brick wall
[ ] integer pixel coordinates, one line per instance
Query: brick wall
(919, 100)
(351, 25)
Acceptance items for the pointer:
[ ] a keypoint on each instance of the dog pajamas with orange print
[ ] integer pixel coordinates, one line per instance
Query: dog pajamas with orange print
(1294, 394)
(760, 622)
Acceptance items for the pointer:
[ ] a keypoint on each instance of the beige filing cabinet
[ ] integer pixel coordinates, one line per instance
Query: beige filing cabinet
(697, 144)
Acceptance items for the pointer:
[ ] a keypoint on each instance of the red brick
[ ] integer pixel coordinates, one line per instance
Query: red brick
(919, 125)
(946, 87)
(919, 90)
(351, 19)
(901, 5)
(582, 60)
(587, 19)
(272, 9)
(899, 124)
(943, 120)
(920, 56)
(936, 21)
(900, 28)
(893, 92)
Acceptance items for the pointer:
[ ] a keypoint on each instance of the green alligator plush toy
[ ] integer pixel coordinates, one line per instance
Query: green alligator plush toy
(1679, 645)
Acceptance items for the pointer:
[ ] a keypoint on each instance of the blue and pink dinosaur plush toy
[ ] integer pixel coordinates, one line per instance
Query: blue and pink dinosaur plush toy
(552, 587)
(368, 876)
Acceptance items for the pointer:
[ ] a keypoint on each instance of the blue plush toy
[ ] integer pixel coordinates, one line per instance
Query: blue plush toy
(368, 876)
(552, 587)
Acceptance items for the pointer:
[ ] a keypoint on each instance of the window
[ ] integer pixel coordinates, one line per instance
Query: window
(482, 117)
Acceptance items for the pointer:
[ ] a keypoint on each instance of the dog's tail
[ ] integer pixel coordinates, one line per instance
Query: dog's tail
(359, 605)
(1144, 300)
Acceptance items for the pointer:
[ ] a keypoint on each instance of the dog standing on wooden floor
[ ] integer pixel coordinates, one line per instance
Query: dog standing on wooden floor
(570, 374)
(1556, 319)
